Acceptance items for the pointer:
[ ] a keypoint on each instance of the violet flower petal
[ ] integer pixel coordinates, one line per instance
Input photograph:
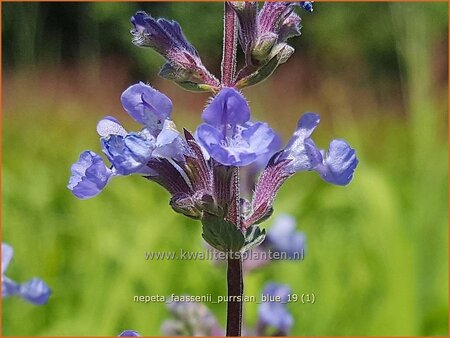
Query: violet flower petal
(339, 164)
(129, 154)
(9, 287)
(282, 236)
(337, 167)
(146, 105)
(89, 175)
(110, 126)
(35, 291)
(129, 333)
(301, 150)
(228, 136)
(229, 107)
(273, 313)
(169, 143)
(7, 255)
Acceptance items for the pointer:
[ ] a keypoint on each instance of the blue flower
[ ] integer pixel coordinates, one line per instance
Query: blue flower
(274, 314)
(130, 152)
(129, 333)
(307, 6)
(228, 135)
(89, 175)
(147, 106)
(35, 290)
(283, 237)
(300, 154)
(169, 143)
(336, 167)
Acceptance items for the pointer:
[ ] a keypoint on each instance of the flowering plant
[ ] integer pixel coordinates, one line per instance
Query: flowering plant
(201, 170)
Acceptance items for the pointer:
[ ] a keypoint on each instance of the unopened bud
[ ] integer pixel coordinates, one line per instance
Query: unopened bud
(184, 65)
(264, 46)
(184, 204)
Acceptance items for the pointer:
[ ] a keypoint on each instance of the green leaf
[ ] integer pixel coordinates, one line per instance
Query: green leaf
(221, 234)
(280, 54)
(196, 87)
(255, 236)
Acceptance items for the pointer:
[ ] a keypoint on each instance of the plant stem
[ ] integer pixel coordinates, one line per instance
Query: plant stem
(235, 292)
(229, 46)
(235, 282)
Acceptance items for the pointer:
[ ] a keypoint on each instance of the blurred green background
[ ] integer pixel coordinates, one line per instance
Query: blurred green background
(377, 250)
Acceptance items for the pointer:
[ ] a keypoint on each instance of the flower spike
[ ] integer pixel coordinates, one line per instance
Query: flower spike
(202, 171)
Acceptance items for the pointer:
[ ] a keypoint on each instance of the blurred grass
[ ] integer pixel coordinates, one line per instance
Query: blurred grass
(377, 250)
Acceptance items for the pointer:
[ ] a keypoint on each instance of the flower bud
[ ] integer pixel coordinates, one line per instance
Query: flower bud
(184, 65)
(184, 204)
(264, 46)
